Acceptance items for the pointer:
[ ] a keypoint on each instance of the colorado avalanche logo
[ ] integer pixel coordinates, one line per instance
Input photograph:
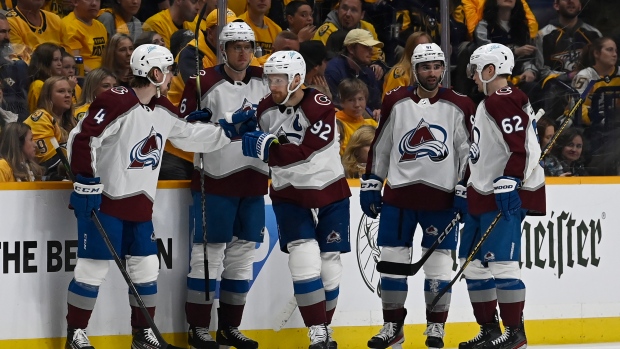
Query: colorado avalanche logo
(334, 237)
(474, 148)
(424, 141)
(147, 152)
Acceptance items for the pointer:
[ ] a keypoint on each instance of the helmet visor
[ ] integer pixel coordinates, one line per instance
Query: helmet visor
(275, 79)
(471, 70)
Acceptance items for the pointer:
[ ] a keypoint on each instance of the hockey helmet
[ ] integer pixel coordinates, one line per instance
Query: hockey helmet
(290, 63)
(427, 53)
(497, 54)
(236, 31)
(149, 56)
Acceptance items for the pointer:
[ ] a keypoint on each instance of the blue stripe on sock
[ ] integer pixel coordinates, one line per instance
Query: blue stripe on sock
(331, 295)
(480, 285)
(436, 285)
(199, 284)
(83, 290)
(509, 284)
(307, 286)
(235, 286)
(390, 284)
(146, 289)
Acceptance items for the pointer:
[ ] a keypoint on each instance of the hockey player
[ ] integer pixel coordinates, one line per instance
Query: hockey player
(422, 134)
(116, 150)
(309, 191)
(505, 177)
(235, 187)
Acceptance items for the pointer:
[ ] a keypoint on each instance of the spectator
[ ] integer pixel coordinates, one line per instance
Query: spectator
(315, 55)
(121, 18)
(401, 74)
(353, 96)
(355, 63)
(566, 158)
(69, 71)
(96, 82)
(349, 16)
(13, 74)
(149, 37)
(53, 119)
(5, 115)
(59, 7)
(32, 26)
(168, 21)
(179, 40)
(18, 154)
(117, 57)
(473, 10)
(356, 153)
(286, 41)
(46, 62)
(149, 8)
(264, 28)
(545, 128)
(211, 5)
(299, 18)
(86, 36)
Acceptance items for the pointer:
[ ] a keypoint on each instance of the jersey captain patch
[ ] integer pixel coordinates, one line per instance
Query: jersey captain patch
(147, 152)
(425, 140)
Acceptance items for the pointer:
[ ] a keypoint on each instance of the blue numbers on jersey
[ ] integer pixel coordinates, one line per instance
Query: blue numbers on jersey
(510, 125)
(322, 130)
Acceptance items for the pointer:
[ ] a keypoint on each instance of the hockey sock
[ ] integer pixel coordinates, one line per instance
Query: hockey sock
(197, 307)
(310, 297)
(393, 296)
(148, 292)
(331, 300)
(81, 302)
(511, 299)
(483, 299)
(232, 301)
(431, 289)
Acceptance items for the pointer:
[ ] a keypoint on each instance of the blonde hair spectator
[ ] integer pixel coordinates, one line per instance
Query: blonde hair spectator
(356, 153)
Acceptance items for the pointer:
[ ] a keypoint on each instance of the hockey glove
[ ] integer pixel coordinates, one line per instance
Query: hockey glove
(370, 195)
(86, 196)
(507, 198)
(235, 125)
(256, 144)
(460, 199)
(203, 115)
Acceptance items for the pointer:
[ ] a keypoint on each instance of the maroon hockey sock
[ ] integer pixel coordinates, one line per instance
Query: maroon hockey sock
(138, 321)
(229, 315)
(484, 311)
(439, 317)
(198, 315)
(394, 315)
(77, 318)
(511, 313)
(330, 314)
(314, 314)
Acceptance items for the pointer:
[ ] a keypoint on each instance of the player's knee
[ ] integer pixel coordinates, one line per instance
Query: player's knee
(304, 259)
(476, 271)
(505, 270)
(215, 252)
(91, 271)
(238, 260)
(331, 269)
(439, 265)
(143, 269)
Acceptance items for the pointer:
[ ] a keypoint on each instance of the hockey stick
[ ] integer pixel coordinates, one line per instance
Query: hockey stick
(117, 260)
(205, 256)
(473, 253)
(412, 269)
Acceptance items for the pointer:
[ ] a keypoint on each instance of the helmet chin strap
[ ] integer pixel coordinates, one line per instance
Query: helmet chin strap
(290, 92)
(158, 84)
(485, 82)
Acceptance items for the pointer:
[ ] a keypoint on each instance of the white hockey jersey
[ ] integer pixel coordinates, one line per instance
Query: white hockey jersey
(422, 146)
(305, 166)
(121, 141)
(227, 171)
(504, 143)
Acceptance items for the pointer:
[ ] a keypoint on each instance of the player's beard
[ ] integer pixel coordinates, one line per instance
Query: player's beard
(427, 86)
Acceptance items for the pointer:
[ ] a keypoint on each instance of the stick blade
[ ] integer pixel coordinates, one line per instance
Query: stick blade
(281, 318)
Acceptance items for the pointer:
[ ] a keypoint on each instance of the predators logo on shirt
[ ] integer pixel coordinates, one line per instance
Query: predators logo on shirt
(323, 29)
(398, 72)
(424, 141)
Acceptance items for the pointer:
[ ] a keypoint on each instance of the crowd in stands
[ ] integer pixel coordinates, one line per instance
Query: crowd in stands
(56, 56)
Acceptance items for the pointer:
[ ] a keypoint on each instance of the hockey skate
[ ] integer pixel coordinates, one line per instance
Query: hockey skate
(76, 339)
(319, 337)
(200, 338)
(434, 332)
(331, 343)
(488, 332)
(391, 335)
(145, 339)
(512, 338)
(232, 337)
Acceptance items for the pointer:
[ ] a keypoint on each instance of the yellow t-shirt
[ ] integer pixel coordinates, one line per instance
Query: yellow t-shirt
(25, 37)
(325, 30)
(90, 40)
(44, 128)
(162, 24)
(80, 112)
(34, 91)
(397, 76)
(6, 173)
(349, 125)
(265, 36)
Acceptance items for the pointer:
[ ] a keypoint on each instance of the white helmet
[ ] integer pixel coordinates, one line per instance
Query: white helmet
(500, 56)
(148, 56)
(236, 31)
(290, 63)
(427, 53)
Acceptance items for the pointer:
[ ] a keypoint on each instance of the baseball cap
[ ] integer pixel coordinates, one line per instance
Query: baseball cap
(361, 36)
(212, 18)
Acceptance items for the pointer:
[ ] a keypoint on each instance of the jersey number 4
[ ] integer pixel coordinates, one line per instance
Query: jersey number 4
(99, 116)
(510, 125)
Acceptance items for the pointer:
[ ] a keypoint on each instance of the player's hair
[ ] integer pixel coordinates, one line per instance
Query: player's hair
(67, 121)
(41, 61)
(12, 142)
(109, 60)
(518, 22)
(348, 88)
(587, 53)
(412, 42)
(141, 81)
(362, 137)
(91, 84)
